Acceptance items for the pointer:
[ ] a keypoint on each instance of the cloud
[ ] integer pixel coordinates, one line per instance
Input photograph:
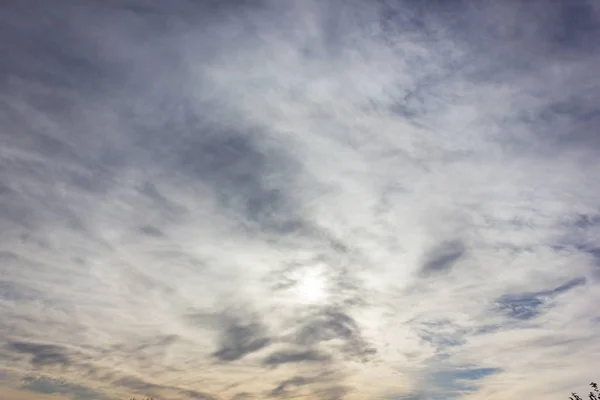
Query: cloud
(458, 381)
(137, 385)
(42, 354)
(530, 305)
(239, 340)
(148, 388)
(332, 200)
(443, 257)
(454, 383)
(334, 325)
(283, 386)
(53, 386)
(326, 326)
(293, 356)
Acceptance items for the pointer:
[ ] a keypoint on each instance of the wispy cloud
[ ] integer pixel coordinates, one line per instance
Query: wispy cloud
(333, 200)
(52, 386)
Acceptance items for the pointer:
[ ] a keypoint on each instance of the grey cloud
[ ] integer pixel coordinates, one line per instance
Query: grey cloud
(584, 221)
(150, 190)
(48, 357)
(333, 324)
(243, 396)
(60, 59)
(12, 291)
(48, 75)
(138, 385)
(152, 231)
(333, 393)
(458, 381)
(161, 341)
(5, 189)
(595, 252)
(284, 386)
(567, 27)
(186, 10)
(575, 25)
(295, 356)
(590, 249)
(412, 396)
(43, 354)
(194, 394)
(320, 390)
(326, 326)
(144, 350)
(442, 257)
(249, 176)
(449, 383)
(526, 306)
(239, 338)
(53, 386)
(147, 388)
(249, 179)
(442, 334)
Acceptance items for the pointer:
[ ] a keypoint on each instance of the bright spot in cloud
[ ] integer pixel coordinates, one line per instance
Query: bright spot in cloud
(311, 287)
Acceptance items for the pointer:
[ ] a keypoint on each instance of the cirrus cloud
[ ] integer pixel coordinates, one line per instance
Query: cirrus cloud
(332, 200)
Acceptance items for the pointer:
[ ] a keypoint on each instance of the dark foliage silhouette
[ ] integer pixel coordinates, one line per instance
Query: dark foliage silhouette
(594, 394)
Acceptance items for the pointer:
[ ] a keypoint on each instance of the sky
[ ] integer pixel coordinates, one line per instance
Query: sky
(301, 199)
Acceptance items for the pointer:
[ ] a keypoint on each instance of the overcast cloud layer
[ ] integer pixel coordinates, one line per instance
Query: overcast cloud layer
(299, 199)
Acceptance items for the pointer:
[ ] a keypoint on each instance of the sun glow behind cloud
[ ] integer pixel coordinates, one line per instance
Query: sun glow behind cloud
(311, 287)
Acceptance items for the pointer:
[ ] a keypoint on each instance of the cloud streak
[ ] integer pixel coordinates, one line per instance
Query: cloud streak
(331, 200)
